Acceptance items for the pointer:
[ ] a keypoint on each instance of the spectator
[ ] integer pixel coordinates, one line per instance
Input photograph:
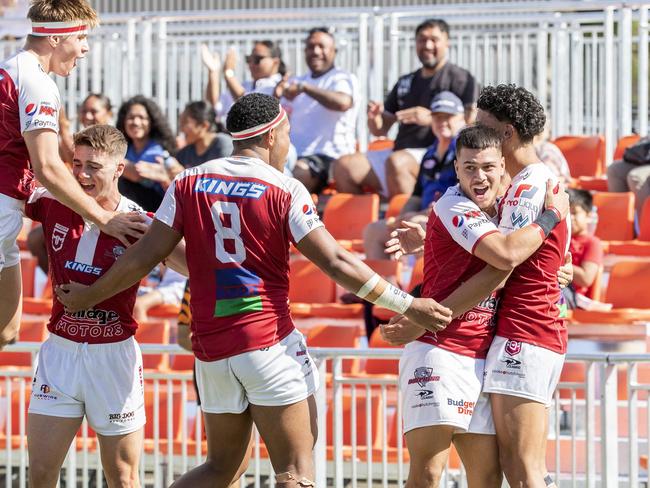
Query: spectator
(323, 111)
(149, 168)
(162, 286)
(408, 104)
(95, 109)
(632, 173)
(586, 250)
(437, 173)
(203, 143)
(549, 154)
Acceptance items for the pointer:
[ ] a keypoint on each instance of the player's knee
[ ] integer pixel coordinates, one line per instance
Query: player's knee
(42, 475)
(486, 478)
(9, 334)
(122, 476)
(426, 477)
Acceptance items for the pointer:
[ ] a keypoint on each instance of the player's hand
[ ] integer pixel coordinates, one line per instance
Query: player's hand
(375, 109)
(407, 239)
(557, 197)
(291, 91)
(125, 225)
(282, 85)
(428, 314)
(210, 60)
(414, 115)
(400, 331)
(74, 297)
(231, 60)
(565, 273)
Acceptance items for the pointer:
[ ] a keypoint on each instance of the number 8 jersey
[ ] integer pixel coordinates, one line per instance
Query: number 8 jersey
(238, 216)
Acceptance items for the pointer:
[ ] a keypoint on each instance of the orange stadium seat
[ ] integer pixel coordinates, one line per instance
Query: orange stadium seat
(325, 335)
(308, 284)
(585, 154)
(615, 216)
(639, 246)
(381, 366)
(30, 331)
(164, 311)
(381, 145)
(154, 332)
(396, 204)
(345, 215)
(27, 270)
(623, 143)
(182, 362)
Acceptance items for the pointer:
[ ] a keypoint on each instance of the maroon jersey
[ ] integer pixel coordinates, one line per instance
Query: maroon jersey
(238, 216)
(455, 228)
(79, 252)
(29, 100)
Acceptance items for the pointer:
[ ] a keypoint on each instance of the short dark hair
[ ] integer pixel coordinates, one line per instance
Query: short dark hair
(581, 198)
(202, 112)
(276, 52)
(515, 105)
(431, 23)
(322, 30)
(477, 137)
(103, 99)
(251, 110)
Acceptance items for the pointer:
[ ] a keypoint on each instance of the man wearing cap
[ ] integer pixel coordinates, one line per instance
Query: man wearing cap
(238, 216)
(391, 173)
(436, 174)
(29, 140)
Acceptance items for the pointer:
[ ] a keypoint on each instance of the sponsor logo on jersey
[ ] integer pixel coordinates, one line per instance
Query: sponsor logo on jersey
(242, 189)
(473, 214)
(45, 124)
(464, 407)
(59, 234)
(523, 202)
(422, 376)
(465, 234)
(457, 221)
(525, 191)
(309, 209)
(31, 108)
(83, 268)
(513, 347)
(47, 109)
(518, 220)
(238, 291)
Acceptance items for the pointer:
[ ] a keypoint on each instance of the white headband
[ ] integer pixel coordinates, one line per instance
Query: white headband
(259, 129)
(44, 29)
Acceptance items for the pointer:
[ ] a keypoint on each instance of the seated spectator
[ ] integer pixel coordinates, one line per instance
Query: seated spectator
(95, 109)
(632, 173)
(323, 112)
(437, 173)
(163, 286)
(391, 173)
(586, 250)
(549, 154)
(203, 143)
(149, 168)
(265, 65)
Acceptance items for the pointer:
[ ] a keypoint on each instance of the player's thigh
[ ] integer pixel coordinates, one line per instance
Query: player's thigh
(289, 432)
(48, 440)
(10, 302)
(120, 456)
(480, 456)
(236, 428)
(428, 451)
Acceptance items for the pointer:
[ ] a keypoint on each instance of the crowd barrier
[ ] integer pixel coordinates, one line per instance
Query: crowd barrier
(587, 61)
(598, 432)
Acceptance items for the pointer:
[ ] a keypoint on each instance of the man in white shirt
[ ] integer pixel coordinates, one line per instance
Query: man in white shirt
(322, 104)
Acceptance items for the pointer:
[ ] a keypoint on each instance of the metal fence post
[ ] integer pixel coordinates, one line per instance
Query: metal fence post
(633, 420)
(624, 71)
(337, 421)
(609, 426)
(609, 84)
(145, 57)
(643, 71)
(320, 449)
(590, 423)
(161, 67)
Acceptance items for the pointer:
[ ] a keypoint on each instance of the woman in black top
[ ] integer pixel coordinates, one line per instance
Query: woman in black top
(204, 143)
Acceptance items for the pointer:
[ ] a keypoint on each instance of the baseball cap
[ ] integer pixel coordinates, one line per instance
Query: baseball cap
(447, 102)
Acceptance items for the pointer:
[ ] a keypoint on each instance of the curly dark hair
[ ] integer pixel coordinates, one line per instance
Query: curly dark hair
(514, 105)
(251, 110)
(159, 129)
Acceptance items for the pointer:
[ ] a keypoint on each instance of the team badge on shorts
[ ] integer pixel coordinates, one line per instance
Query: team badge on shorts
(513, 347)
(422, 376)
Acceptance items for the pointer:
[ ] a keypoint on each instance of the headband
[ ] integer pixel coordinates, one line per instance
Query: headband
(44, 29)
(259, 129)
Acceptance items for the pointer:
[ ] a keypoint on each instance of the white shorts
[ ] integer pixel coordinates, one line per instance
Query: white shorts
(282, 374)
(377, 160)
(11, 221)
(440, 387)
(523, 370)
(102, 381)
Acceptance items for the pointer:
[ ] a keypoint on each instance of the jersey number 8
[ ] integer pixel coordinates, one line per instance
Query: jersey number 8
(233, 232)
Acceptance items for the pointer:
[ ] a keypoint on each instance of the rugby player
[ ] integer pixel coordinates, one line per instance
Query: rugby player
(441, 374)
(90, 364)
(238, 216)
(29, 143)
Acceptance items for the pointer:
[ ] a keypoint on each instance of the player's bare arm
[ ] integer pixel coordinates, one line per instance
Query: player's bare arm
(156, 244)
(351, 273)
(43, 147)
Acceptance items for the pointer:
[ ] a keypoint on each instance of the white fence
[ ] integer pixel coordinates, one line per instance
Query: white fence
(599, 427)
(586, 60)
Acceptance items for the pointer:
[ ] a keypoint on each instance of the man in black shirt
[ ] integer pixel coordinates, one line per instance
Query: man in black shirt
(408, 104)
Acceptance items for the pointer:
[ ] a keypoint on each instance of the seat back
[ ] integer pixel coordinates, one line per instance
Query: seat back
(615, 216)
(154, 332)
(644, 221)
(629, 285)
(381, 145)
(623, 143)
(381, 366)
(326, 335)
(30, 331)
(585, 154)
(308, 284)
(396, 204)
(345, 216)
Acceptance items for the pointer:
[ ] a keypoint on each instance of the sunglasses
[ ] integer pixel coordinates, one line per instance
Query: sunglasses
(255, 58)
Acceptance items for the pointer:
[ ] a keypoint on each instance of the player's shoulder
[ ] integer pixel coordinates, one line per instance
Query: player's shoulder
(40, 194)
(534, 174)
(128, 205)
(452, 198)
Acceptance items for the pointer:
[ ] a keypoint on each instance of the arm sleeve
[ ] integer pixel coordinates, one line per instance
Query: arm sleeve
(303, 217)
(34, 208)
(390, 103)
(469, 93)
(38, 104)
(343, 83)
(464, 220)
(523, 203)
(170, 211)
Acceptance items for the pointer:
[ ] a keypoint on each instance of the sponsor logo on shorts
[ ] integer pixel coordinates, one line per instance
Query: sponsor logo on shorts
(424, 394)
(422, 376)
(118, 418)
(463, 407)
(44, 393)
(45, 388)
(513, 347)
(512, 363)
(59, 234)
(30, 109)
(242, 189)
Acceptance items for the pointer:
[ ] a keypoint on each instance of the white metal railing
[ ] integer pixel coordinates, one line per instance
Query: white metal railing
(578, 57)
(597, 437)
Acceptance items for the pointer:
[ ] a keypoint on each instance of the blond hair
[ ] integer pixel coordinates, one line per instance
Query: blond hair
(103, 138)
(62, 11)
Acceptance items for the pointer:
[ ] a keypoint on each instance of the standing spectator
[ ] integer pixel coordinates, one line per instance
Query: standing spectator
(198, 124)
(437, 173)
(408, 104)
(148, 168)
(323, 111)
(632, 173)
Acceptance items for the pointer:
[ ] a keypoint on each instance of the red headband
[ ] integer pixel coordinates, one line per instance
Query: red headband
(44, 29)
(259, 129)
